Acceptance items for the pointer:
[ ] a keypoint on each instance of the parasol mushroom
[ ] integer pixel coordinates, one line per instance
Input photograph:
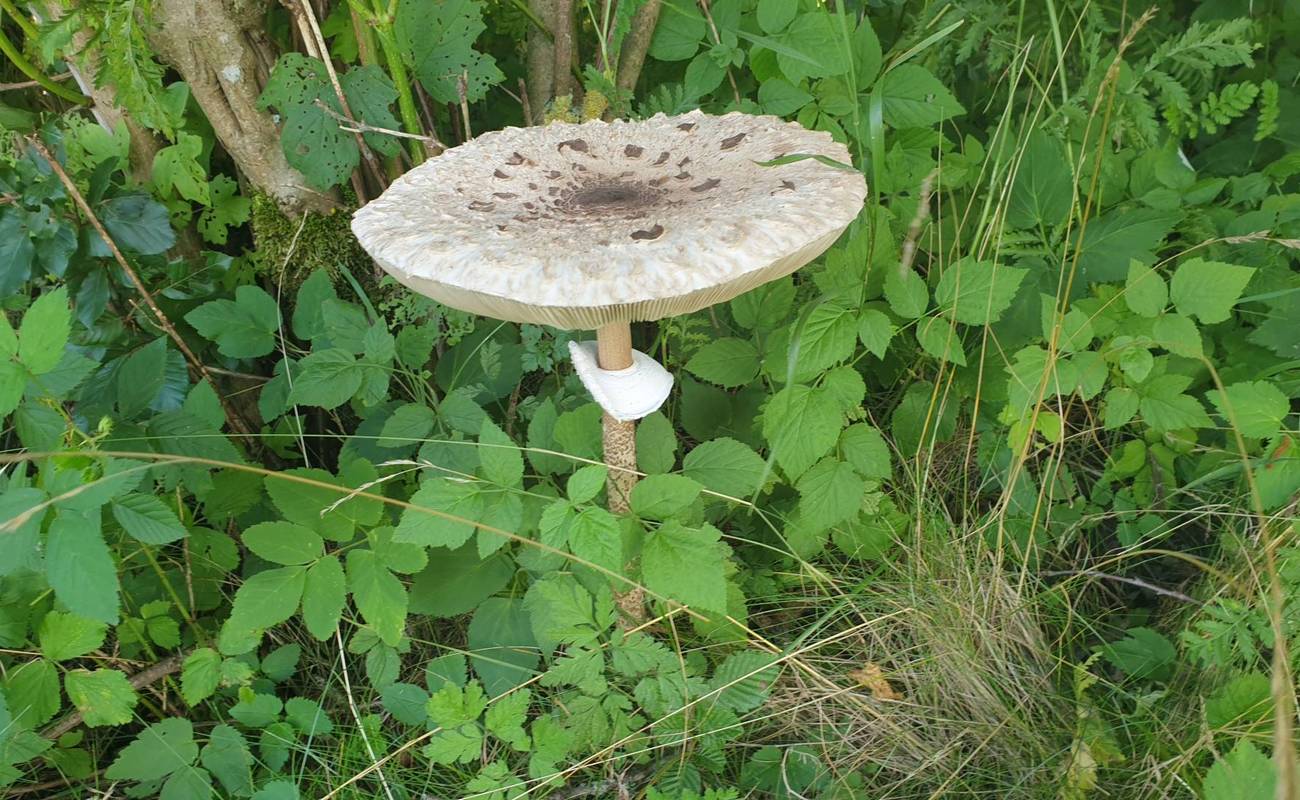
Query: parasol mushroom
(600, 224)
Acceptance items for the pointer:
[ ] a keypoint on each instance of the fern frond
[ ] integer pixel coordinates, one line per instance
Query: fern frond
(1233, 101)
(128, 65)
(1269, 110)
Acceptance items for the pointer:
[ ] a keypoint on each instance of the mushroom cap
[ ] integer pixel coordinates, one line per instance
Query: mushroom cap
(577, 226)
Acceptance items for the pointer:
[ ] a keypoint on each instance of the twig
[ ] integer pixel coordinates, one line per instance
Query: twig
(462, 88)
(57, 783)
(356, 715)
(8, 87)
(717, 39)
(236, 421)
(139, 680)
(1138, 582)
(354, 126)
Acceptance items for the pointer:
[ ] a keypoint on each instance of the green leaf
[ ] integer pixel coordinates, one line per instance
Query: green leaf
(104, 696)
(370, 95)
(1043, 189)
(505, 719)
(256, 710)
(1177, 334)
(977, 292)
(830, 493)
(827, 338)
(1145, 291)
(939, 337)
(187, 783)
(502, 647)
(137, 223)
(686, 564)
(914, 98)
(283, 543)
(263, 600)
(774, 15)
(801, 425)
(743, 680)
(562, 611)
(875, 331)
(864, 447)
(1208, 289)
(159, 750)
(44, 331)
(1142, 654)
(443, 499)
(780, 98)
(311, 139)
(663, 496)
(595, 537)
(379, 595)
(200, 675)
(1256, 408)
(679, 32)
(1165, 408)
(141, 377)
(147, 519)
(410, 423)
(456, 581)
(323, 597)
(727, 362)
(438, 40)
(176, 169)
(725, 466)
(586, 482)
(245, 327)
(79, 566)
(308, 717)
(1118, 237)
(327, 378)
(277, 790)
(1244, 774)
(227, 757)
(907, 293)
(13, 379)
(32, 689)
(499, 457)
(67, 636)
(227, 208)
(812, 47)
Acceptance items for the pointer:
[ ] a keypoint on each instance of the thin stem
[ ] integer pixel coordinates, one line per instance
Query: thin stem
(29, 69)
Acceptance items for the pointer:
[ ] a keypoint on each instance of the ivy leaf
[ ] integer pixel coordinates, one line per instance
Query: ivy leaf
(914, 98)
(323, 598)
(438, 39)
(44, 331)
(1208, 289)
(725, 466)
(159, 750)
(104, 696)
(801, 425)
(686, 564)
(977, 292)
(147, 519)
(1257, 408)
(283, 543)
(379, 595)
(727, 362)
(1145, 291)
(327, 378)
(79, 566)
(242, 328)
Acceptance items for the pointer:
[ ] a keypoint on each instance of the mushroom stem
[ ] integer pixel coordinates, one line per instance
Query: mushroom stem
(614, 352)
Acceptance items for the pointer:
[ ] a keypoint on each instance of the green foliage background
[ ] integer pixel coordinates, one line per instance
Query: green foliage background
(996, 498)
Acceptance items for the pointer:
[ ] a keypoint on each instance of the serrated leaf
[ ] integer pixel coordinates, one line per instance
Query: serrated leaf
(67, 636)
(595, 537)
(829, 493)
(662, 496)
(438, 39)
(44, 331)
(263, 600)
(410, 423)
(907, 293)
(445, 514)
(686, 565)
(80, 567)
(801, 425)
(159, 750)
(743, 680)
(283, 543)
(327, 378)
(1256, 408)
(200, 675)
(379, 595)
(727, 362)
(1244, 774)
(245, 327)
(147, 519)
(104, 696)
(227, 757)
(914, 98)
(977, 292)
(1208, 290)
(323, 597)
(1145, 291)
(499, 456)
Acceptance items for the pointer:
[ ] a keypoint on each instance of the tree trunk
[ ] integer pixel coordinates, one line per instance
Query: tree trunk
(220, 49)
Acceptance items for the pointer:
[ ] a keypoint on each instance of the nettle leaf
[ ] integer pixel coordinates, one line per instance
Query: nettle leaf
(725, 466)
(864, 447)
(595, 537)
(663, 496)
(1208, 289)
(801, 424)
(727, 362)
(914, 98)
(977, 292)
(438, 39)
(686, 565)
(284, 543)
(44, 332)
(1145, 292)
(379, 595)
(103, 696)
(147, 519)
(829, 493)
(242, 328)
(1256, 408)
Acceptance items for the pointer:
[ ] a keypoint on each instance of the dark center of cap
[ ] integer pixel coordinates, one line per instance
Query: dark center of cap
(610, 197)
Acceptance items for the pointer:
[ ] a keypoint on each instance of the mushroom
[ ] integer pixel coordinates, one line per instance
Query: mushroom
(600, 224)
